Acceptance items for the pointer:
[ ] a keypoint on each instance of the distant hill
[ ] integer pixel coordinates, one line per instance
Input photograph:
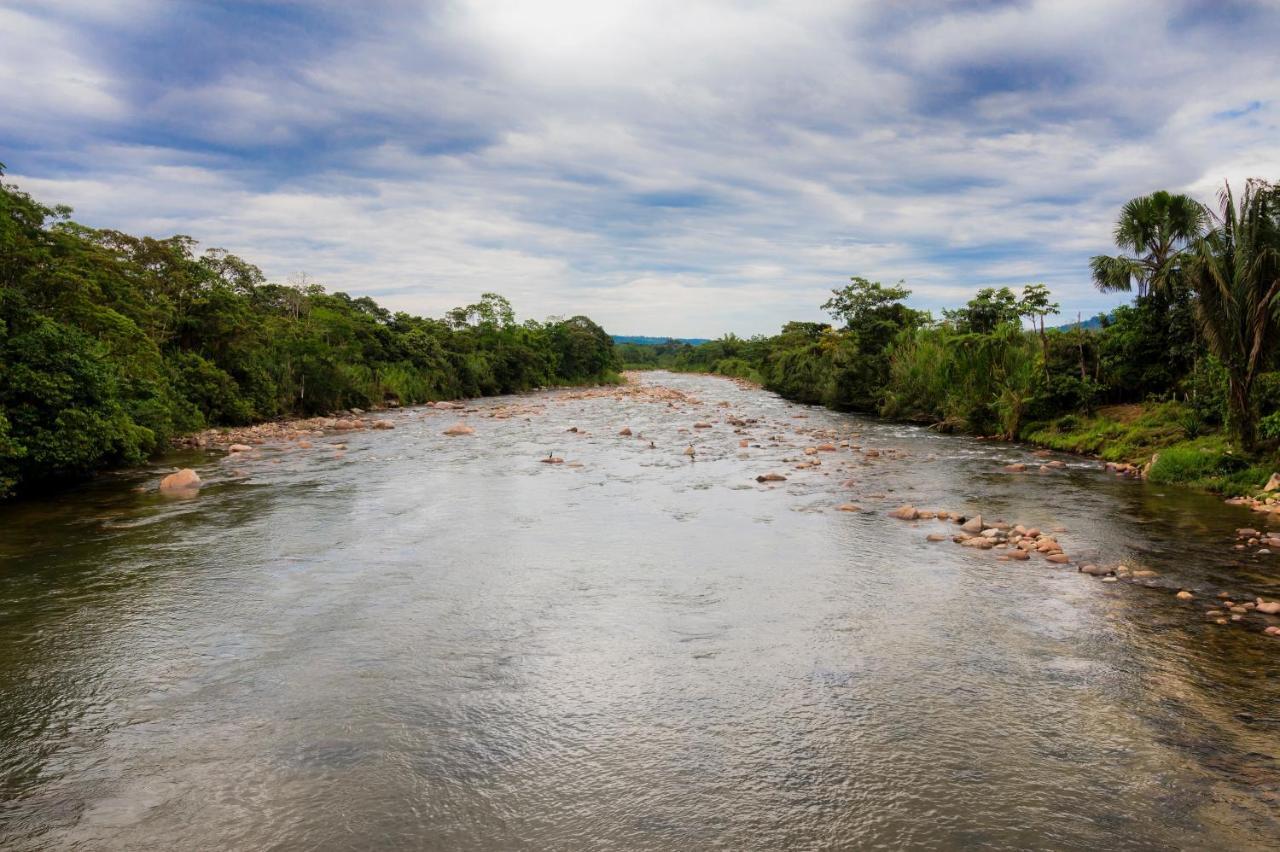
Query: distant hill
(657, 341)
(1090, 324)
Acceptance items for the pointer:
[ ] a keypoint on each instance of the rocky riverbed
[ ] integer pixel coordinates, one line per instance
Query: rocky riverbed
(680, 612)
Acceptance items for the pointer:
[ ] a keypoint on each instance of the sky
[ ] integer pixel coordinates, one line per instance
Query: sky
(668, 168)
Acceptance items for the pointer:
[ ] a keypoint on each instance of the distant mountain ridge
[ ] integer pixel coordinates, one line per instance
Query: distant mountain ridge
(658, 341)
(1094, 322)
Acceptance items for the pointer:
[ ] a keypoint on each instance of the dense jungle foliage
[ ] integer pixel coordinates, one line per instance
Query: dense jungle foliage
(1196, 348)
(111, 344)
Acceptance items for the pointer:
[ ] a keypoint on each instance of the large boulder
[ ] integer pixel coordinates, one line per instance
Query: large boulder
(183, 482)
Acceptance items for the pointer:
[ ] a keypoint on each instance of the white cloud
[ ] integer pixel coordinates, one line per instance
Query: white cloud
(670, 168)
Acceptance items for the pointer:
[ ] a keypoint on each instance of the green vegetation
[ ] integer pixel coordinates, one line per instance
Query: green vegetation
(1189, 370)
(111, 344)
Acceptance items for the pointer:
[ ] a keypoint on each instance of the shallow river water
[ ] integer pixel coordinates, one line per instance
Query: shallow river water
(443, 643)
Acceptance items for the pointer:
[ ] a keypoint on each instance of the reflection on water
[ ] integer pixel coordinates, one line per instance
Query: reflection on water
(436, 642)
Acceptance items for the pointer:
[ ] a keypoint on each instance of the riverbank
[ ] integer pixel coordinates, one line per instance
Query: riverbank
(1163, 442)
(344, 422)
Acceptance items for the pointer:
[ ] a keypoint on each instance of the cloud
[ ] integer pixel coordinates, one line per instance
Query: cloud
(669, 168)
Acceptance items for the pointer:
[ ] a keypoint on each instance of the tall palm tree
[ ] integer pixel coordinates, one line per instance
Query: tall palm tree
(1155, 230)
(1234, 270)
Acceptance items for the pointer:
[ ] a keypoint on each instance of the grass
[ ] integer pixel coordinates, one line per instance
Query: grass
(1187, 452)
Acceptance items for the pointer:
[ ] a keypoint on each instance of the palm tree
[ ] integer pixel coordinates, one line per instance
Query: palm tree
(1154, 229)
(1234, 270)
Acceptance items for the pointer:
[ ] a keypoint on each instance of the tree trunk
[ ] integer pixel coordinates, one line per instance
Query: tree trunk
(1243, 418)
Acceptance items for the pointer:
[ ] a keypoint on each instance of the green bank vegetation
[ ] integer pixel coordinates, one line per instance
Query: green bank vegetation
(111, 344)
(1188, 369)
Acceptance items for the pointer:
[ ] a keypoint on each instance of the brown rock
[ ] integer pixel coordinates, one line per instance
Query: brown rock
(771, 477)
(973, 525)
(185, 480)
(1059, 557)
(1184, 595)
(625, 432)
(1015, 468)
(848, 507)
(458, 429)
(1019, 555)
(239, 448)
(1268, 607)
(905, 513)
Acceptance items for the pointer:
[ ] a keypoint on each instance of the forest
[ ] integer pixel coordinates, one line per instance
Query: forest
(1187, 370)
(111, 345)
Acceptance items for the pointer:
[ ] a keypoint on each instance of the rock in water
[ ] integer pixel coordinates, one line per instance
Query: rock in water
(459, 429)
(1184, 595)
(973, 525)
(905, 513)
(239, 448)
(848, 507)
(185, 480)
(771, 477)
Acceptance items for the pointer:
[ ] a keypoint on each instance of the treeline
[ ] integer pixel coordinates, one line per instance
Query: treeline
(1199, 335)
(110, 344)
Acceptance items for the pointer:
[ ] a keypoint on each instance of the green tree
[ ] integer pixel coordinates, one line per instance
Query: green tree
(1155, 230)
(1035, 305)
(985, 312)
(1234, 271)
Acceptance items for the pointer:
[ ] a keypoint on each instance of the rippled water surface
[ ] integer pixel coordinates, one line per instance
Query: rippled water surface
(442, 643)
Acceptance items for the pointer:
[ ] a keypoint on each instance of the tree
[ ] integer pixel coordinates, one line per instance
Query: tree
(985, 312)
(1234, 271)
(1155, 229)
(1035, 305)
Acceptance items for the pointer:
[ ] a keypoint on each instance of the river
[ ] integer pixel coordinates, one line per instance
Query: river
(432, 642)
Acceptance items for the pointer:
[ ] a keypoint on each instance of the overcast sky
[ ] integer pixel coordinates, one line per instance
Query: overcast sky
(670, 168)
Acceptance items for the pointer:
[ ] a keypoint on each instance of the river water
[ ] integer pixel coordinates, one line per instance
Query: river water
(428, 642)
